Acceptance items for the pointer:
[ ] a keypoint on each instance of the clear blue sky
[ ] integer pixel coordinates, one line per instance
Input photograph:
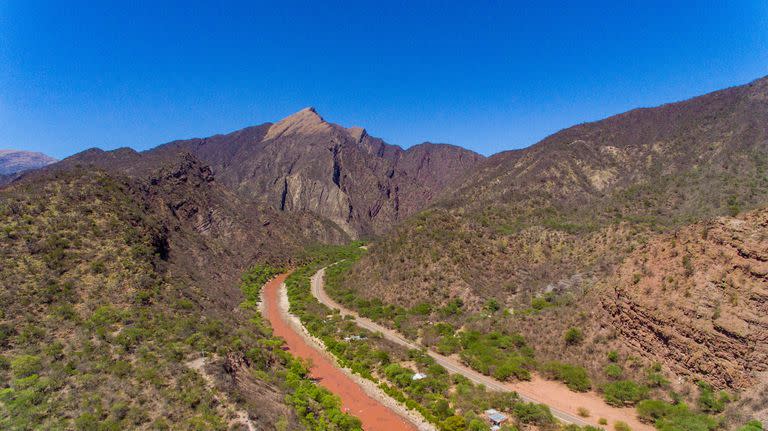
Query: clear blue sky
(489, 76)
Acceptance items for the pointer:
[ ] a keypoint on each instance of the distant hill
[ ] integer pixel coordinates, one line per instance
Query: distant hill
(15, 161)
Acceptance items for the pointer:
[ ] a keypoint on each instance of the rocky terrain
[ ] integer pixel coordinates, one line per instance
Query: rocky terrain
(304, 163)
(697, 299)
(212, 233)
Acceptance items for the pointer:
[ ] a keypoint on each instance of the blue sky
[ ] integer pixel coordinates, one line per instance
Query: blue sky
(489, 76)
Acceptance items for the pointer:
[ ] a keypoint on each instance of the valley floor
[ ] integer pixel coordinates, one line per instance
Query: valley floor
(374, 414)
(563, 402)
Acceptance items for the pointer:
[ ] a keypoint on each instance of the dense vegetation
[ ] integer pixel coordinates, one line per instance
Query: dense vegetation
(482, 340)
(318, 409)
(450, 401)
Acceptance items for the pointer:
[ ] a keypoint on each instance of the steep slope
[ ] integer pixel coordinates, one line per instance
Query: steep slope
(213, 235)
(560, 216)
(97, 317)
(303, 163)
(698, 298)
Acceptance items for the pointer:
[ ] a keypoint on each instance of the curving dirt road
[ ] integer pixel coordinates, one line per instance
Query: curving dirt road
(374, 415)
(563, 402)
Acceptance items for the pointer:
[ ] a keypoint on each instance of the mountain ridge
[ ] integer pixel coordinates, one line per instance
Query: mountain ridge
(557, 218)
(304, 163)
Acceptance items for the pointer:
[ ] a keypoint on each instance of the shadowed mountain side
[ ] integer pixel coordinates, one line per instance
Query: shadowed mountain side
(212, 234)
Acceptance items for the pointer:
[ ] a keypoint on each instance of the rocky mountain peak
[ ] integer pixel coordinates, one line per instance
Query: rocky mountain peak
(305, 122)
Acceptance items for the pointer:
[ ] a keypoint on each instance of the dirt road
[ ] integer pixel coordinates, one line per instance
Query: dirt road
(374, 415)
(563, 402)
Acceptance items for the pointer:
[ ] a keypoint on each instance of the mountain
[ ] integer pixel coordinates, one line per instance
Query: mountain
(304, 163)
(212, 233)
(14, 162)
(559, 218)
(262, 193)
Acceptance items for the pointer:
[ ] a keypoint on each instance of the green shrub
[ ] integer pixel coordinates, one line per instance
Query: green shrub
(753, 425)
(532, 413)
(613, 371)
(652, 410)
(421, 309)
(26, 365)
(680, 418)
(621, 426)
(454, 423)
(575, 377)
(624, 392)
(674, 417)
(711, 402)
(573, 336)
(655, 379)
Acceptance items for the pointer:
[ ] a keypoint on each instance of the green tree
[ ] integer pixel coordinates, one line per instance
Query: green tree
(25, 365)
(454, 423)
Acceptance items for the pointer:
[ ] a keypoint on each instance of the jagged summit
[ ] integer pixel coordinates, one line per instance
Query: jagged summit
(305, 122)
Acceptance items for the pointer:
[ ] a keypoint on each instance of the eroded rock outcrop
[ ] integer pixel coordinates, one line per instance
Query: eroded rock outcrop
(698, 300)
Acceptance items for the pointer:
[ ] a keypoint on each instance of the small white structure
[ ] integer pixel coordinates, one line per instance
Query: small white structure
(496, 418)
(419, 376)
(354, 338)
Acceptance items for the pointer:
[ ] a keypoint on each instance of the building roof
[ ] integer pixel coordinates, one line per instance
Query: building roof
(495, 415)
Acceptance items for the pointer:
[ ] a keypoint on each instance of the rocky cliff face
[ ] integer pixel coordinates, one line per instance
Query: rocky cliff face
(697, 300)
(215, 236)
(303, 163)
